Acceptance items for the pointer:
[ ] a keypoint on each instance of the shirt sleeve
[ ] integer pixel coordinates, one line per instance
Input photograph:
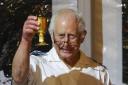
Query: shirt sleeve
(105, 77)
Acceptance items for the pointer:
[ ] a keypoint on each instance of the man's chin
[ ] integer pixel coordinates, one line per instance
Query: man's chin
(65, 55)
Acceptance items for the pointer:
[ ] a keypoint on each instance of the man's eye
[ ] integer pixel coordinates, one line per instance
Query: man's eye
(72, 36)
(61, 35)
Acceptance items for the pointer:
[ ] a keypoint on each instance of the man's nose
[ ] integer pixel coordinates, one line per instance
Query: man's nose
(66, 39)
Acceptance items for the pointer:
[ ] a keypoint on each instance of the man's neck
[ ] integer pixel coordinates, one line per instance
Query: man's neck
(72, 61)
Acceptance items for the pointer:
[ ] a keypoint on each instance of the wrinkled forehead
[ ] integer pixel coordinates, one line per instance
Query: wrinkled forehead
(66, 15)
(66, 22)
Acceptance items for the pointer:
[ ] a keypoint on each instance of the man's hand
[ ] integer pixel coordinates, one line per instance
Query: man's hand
(30, 28)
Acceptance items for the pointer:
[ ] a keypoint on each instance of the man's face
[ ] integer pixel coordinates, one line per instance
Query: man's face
(66, 37)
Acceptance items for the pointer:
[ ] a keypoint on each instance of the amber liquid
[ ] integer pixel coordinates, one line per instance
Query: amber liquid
(42, 30)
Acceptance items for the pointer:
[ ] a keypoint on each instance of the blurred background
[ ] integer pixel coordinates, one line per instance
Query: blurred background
(106, 40)
(13, 13)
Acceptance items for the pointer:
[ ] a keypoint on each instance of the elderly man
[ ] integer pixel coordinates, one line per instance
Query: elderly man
(65, 63)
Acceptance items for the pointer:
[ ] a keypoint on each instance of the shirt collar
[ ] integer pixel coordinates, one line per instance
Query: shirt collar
(84, 60)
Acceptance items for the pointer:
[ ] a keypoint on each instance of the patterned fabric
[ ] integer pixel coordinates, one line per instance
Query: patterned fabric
(4, 80)
(49, 69)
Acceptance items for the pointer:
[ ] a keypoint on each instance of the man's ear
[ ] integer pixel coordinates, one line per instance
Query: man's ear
(53, 38)
(82, 36)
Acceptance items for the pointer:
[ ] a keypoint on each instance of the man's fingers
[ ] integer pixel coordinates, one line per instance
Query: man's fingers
(32, 27)
(32, 22)
(32, 18)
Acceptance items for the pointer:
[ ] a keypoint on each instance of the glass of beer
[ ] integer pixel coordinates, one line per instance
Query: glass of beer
(42, 30)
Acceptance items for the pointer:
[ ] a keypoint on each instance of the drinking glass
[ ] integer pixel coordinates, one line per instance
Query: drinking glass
(42, 21)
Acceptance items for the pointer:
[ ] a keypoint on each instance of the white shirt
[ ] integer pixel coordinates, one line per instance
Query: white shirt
(50, 68)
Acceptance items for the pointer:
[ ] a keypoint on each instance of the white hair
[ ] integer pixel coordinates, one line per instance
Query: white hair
(81, 23)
